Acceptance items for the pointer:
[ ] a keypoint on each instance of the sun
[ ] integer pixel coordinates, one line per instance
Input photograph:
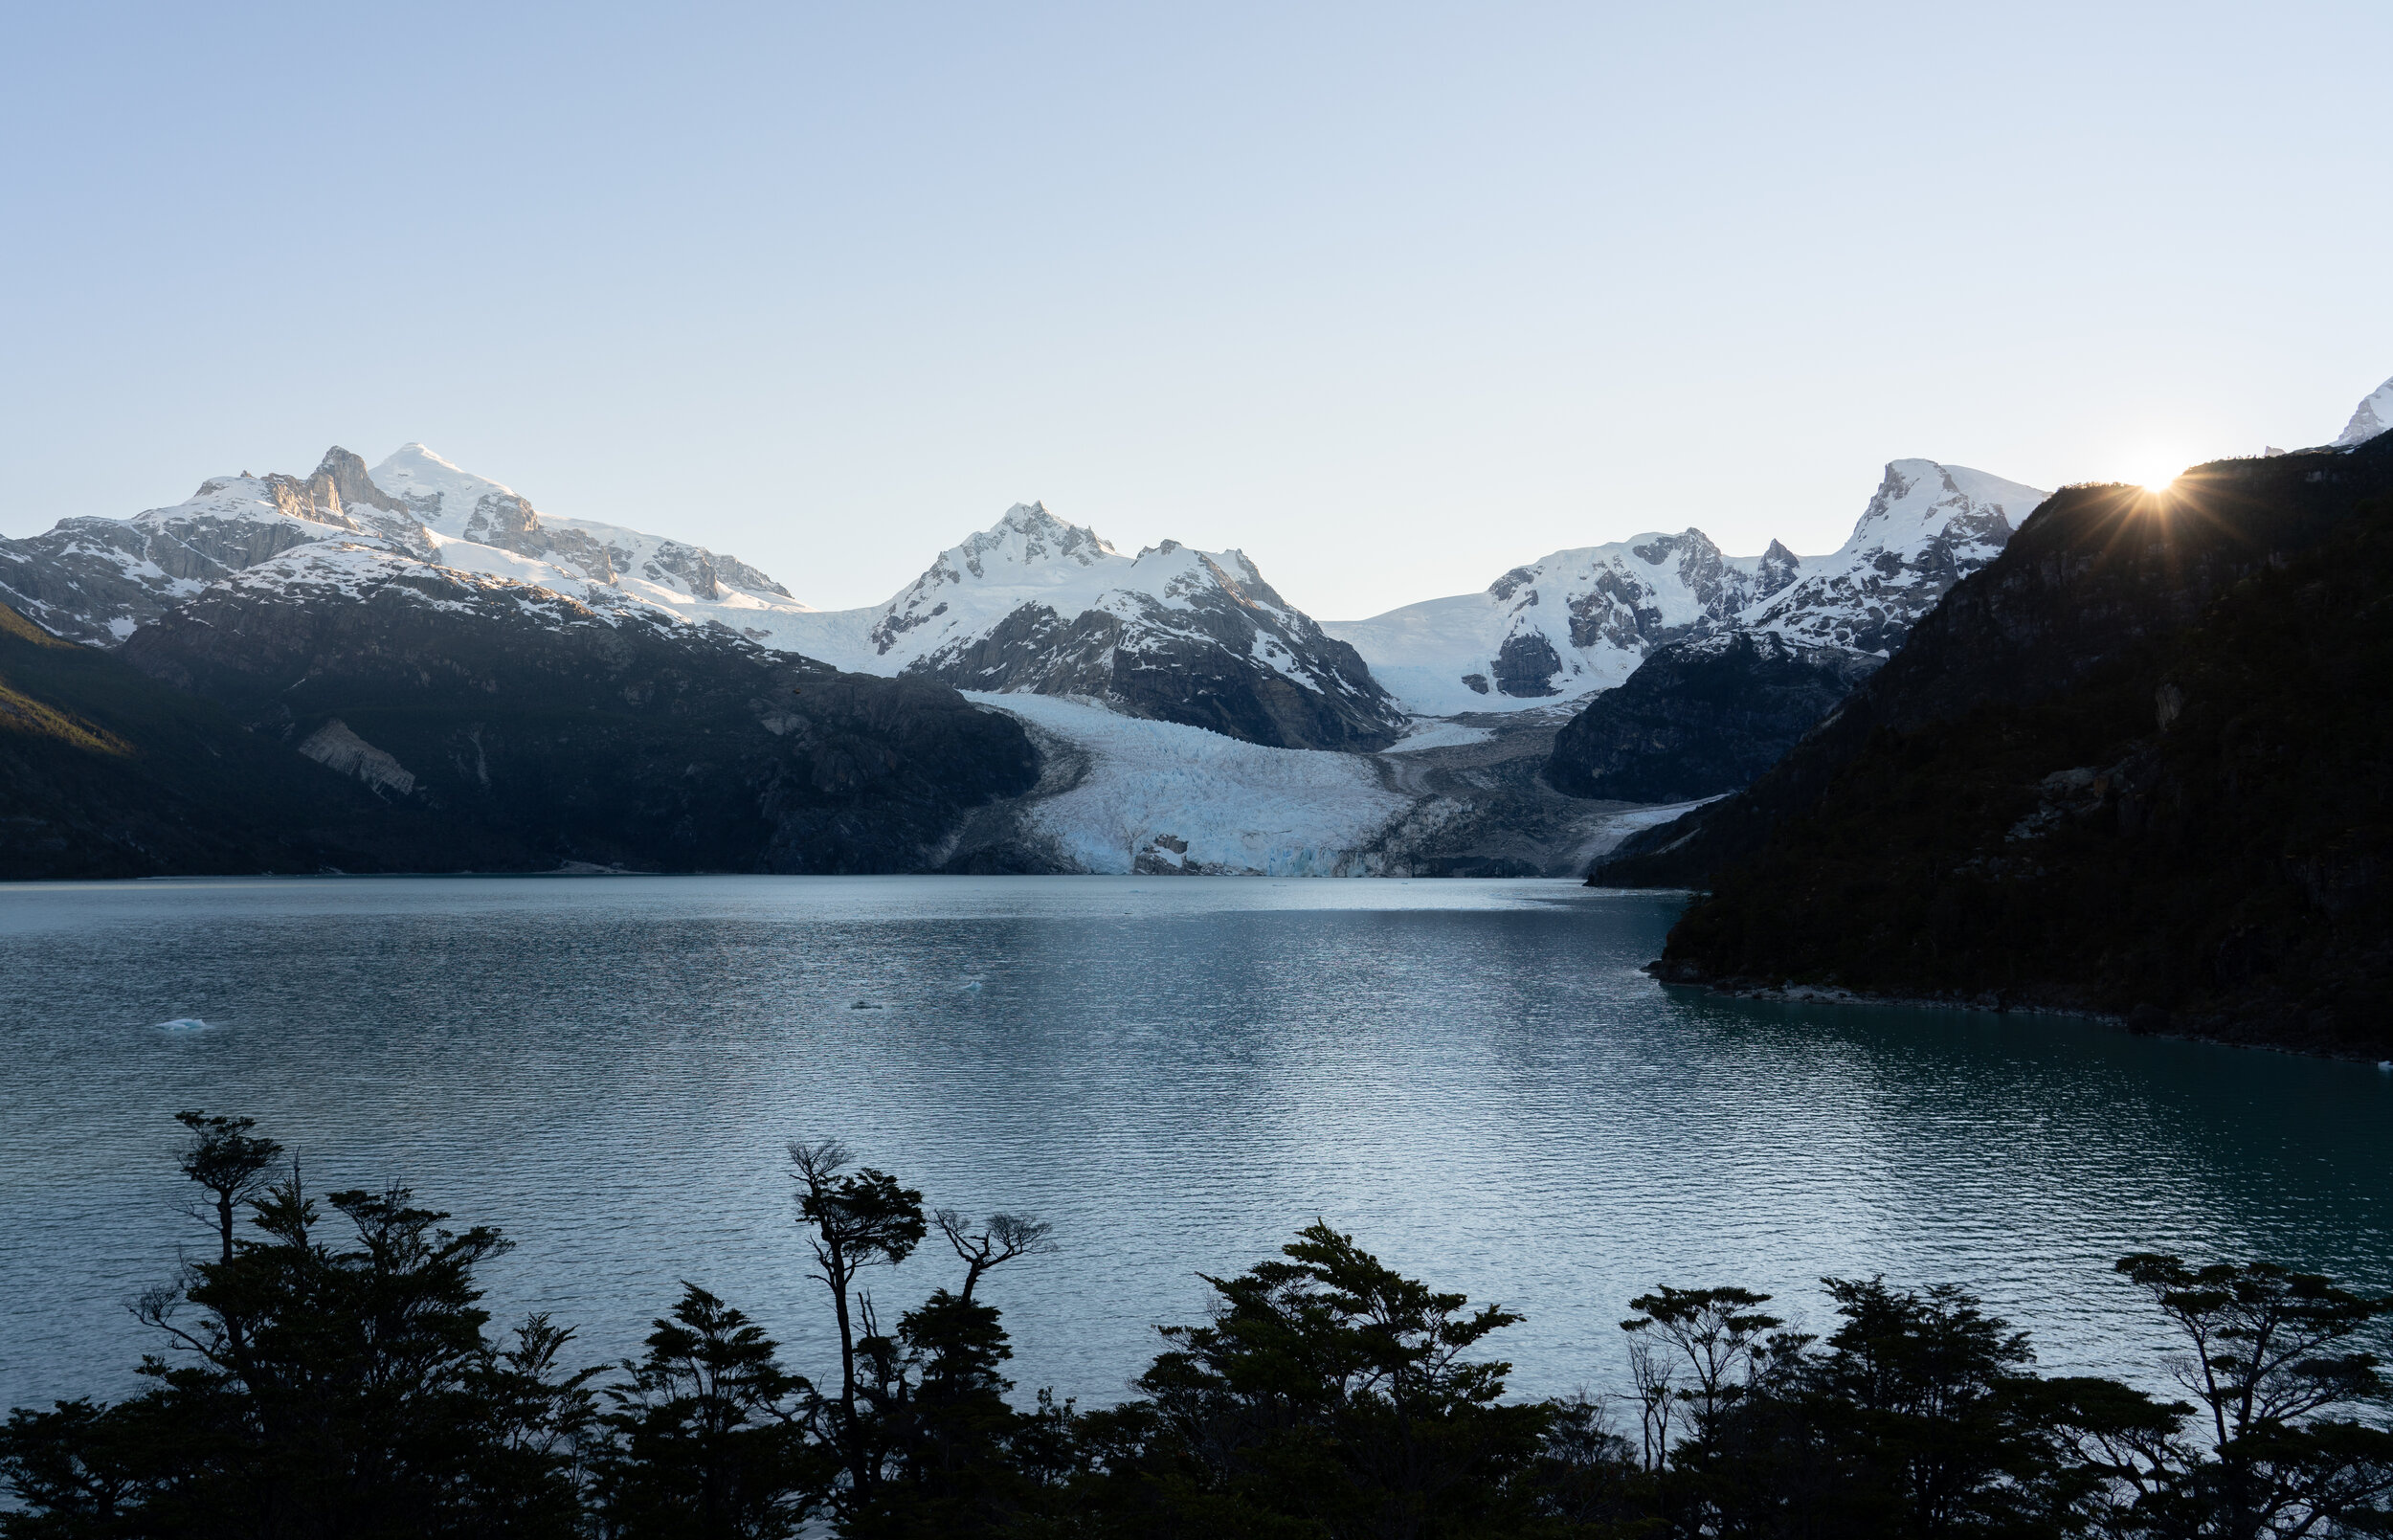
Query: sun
(2156, 471)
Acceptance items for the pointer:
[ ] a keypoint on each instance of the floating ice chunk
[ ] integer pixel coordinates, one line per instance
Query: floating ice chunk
(184, 1024)
(972, 984)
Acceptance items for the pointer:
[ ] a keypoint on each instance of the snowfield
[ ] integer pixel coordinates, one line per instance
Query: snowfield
(1155, 796)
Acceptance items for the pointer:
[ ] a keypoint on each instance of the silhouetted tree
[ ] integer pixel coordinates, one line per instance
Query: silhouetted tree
(231, 1163)
(1328, 1395)
(858, 1220)
(711, 1437)
(323, 1388)
(330, 1373)
(2271, 1363)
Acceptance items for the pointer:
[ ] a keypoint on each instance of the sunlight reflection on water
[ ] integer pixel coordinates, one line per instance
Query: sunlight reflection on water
(1471, 1077)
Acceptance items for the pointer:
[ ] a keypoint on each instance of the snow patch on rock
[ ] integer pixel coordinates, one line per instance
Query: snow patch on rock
(338, 749)
(2372, 417)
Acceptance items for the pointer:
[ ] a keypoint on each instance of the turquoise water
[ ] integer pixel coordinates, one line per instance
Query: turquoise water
(1471, 1077)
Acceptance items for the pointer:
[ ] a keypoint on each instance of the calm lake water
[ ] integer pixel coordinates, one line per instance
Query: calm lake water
(1471, 1077)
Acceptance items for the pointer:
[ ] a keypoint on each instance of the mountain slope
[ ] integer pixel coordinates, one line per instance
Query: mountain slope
(1035, 605)
(106, 772)
(2141, 762)
(1581, 620)
(1032, 604)
(1701, 718)
(1575, 622)
(94, 580)
(476, 523)
(1926, 528)
(608, 735)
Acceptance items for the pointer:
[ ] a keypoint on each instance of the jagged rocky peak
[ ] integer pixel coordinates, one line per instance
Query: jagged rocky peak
(1027, 536)
(1776, 569)
(1239, 573)
(464, 508)
(97, 579)
(344, 475)
(2374, 416)
(1922, 498)
(1928, 527)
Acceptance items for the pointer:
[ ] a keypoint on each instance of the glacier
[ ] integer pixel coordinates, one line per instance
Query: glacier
(1124, 795)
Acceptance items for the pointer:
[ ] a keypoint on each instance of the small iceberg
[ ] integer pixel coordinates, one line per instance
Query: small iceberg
(972, 984)
(182, 1024)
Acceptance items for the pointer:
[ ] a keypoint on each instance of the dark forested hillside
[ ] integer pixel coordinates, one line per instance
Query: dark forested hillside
(1701, 718)
(2141, 764)
(624, 740)
(106, 772)
(432, 722)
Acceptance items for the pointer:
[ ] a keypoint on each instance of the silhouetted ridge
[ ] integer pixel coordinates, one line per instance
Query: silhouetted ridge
(2142, 760)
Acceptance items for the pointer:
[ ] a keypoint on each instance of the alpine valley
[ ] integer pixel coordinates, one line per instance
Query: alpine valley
(410, 667)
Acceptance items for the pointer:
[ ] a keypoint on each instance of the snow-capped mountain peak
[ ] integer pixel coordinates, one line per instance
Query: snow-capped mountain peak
(97, 579)
(452, 500)
(1582, 620)
(1928, 527)
(1028, 536)
(2373, 417)
(1919, 499)
(1039, 604)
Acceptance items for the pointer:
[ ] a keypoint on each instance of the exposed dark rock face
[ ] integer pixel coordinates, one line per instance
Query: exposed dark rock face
(2140, 764)
(1486, 810)
(571, 736)
(341, 483)
(1701, 718)
(1525, 666)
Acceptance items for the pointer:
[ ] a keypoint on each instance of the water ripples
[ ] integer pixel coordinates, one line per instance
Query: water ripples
(1471, 1077)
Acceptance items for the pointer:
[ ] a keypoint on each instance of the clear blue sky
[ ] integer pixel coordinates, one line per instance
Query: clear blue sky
(1393, 297)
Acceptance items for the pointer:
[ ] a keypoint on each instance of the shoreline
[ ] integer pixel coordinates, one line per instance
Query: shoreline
(1989, 1002)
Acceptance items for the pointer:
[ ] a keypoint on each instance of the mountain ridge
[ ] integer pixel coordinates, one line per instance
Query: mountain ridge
(1581, 620)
